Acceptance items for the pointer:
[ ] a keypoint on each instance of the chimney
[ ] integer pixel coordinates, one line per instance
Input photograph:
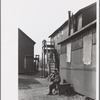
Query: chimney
(69, 16)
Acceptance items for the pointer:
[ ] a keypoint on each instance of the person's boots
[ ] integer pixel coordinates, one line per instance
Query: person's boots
(50, 93)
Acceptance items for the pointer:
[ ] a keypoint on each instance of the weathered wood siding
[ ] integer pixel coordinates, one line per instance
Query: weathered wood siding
(25, 48)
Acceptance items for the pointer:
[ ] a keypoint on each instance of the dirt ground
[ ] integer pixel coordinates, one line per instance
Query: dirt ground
(32, 87)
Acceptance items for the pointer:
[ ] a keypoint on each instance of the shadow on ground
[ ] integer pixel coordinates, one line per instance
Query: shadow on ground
(25, 80)
(32, 87)
(24, 83)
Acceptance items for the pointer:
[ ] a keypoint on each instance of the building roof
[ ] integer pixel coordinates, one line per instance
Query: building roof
(26, 35)
(60, 28)
(66, 22)
(78, 32)
(85, 8)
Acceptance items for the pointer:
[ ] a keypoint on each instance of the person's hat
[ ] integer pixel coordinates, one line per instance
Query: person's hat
(55, 70)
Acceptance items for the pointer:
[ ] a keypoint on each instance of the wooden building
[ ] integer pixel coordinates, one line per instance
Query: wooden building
(75, 42)
(25, 53)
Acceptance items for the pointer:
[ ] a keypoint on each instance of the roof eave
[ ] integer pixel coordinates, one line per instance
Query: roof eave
(84, 28)
(64, 24)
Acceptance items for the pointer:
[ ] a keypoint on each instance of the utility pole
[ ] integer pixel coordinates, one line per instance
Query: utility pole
(42, 65)
(42, 61)
(43, 58)
(44, 41)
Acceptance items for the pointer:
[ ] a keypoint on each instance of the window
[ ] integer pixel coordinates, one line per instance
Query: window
(71, 31)
(52, 39)
(25, 62)
(77, 43)
(62, 32)
(58, 35)
(94, 36)
(63, 48)
(79, 22)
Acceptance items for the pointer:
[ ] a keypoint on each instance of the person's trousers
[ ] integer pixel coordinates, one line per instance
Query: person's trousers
(52, 86)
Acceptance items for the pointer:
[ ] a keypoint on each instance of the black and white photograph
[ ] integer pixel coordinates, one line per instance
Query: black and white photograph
(49, 50)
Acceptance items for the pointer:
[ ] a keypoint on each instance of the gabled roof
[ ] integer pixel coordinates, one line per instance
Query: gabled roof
(26, 35)
(60, 28)
(66, 22)
(85, 8)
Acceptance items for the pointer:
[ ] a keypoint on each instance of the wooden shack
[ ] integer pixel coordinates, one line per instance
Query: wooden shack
(25, 53)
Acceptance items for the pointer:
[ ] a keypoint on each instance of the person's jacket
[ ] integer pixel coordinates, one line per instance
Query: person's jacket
(57, 78)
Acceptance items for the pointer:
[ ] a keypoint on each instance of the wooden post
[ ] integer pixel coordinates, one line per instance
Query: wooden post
(44, 65)
(44, 55)
(42, 61)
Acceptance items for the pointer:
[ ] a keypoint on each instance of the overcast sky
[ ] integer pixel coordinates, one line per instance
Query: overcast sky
(38, 19)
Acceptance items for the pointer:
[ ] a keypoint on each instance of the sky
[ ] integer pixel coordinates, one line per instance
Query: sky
(38, 19)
